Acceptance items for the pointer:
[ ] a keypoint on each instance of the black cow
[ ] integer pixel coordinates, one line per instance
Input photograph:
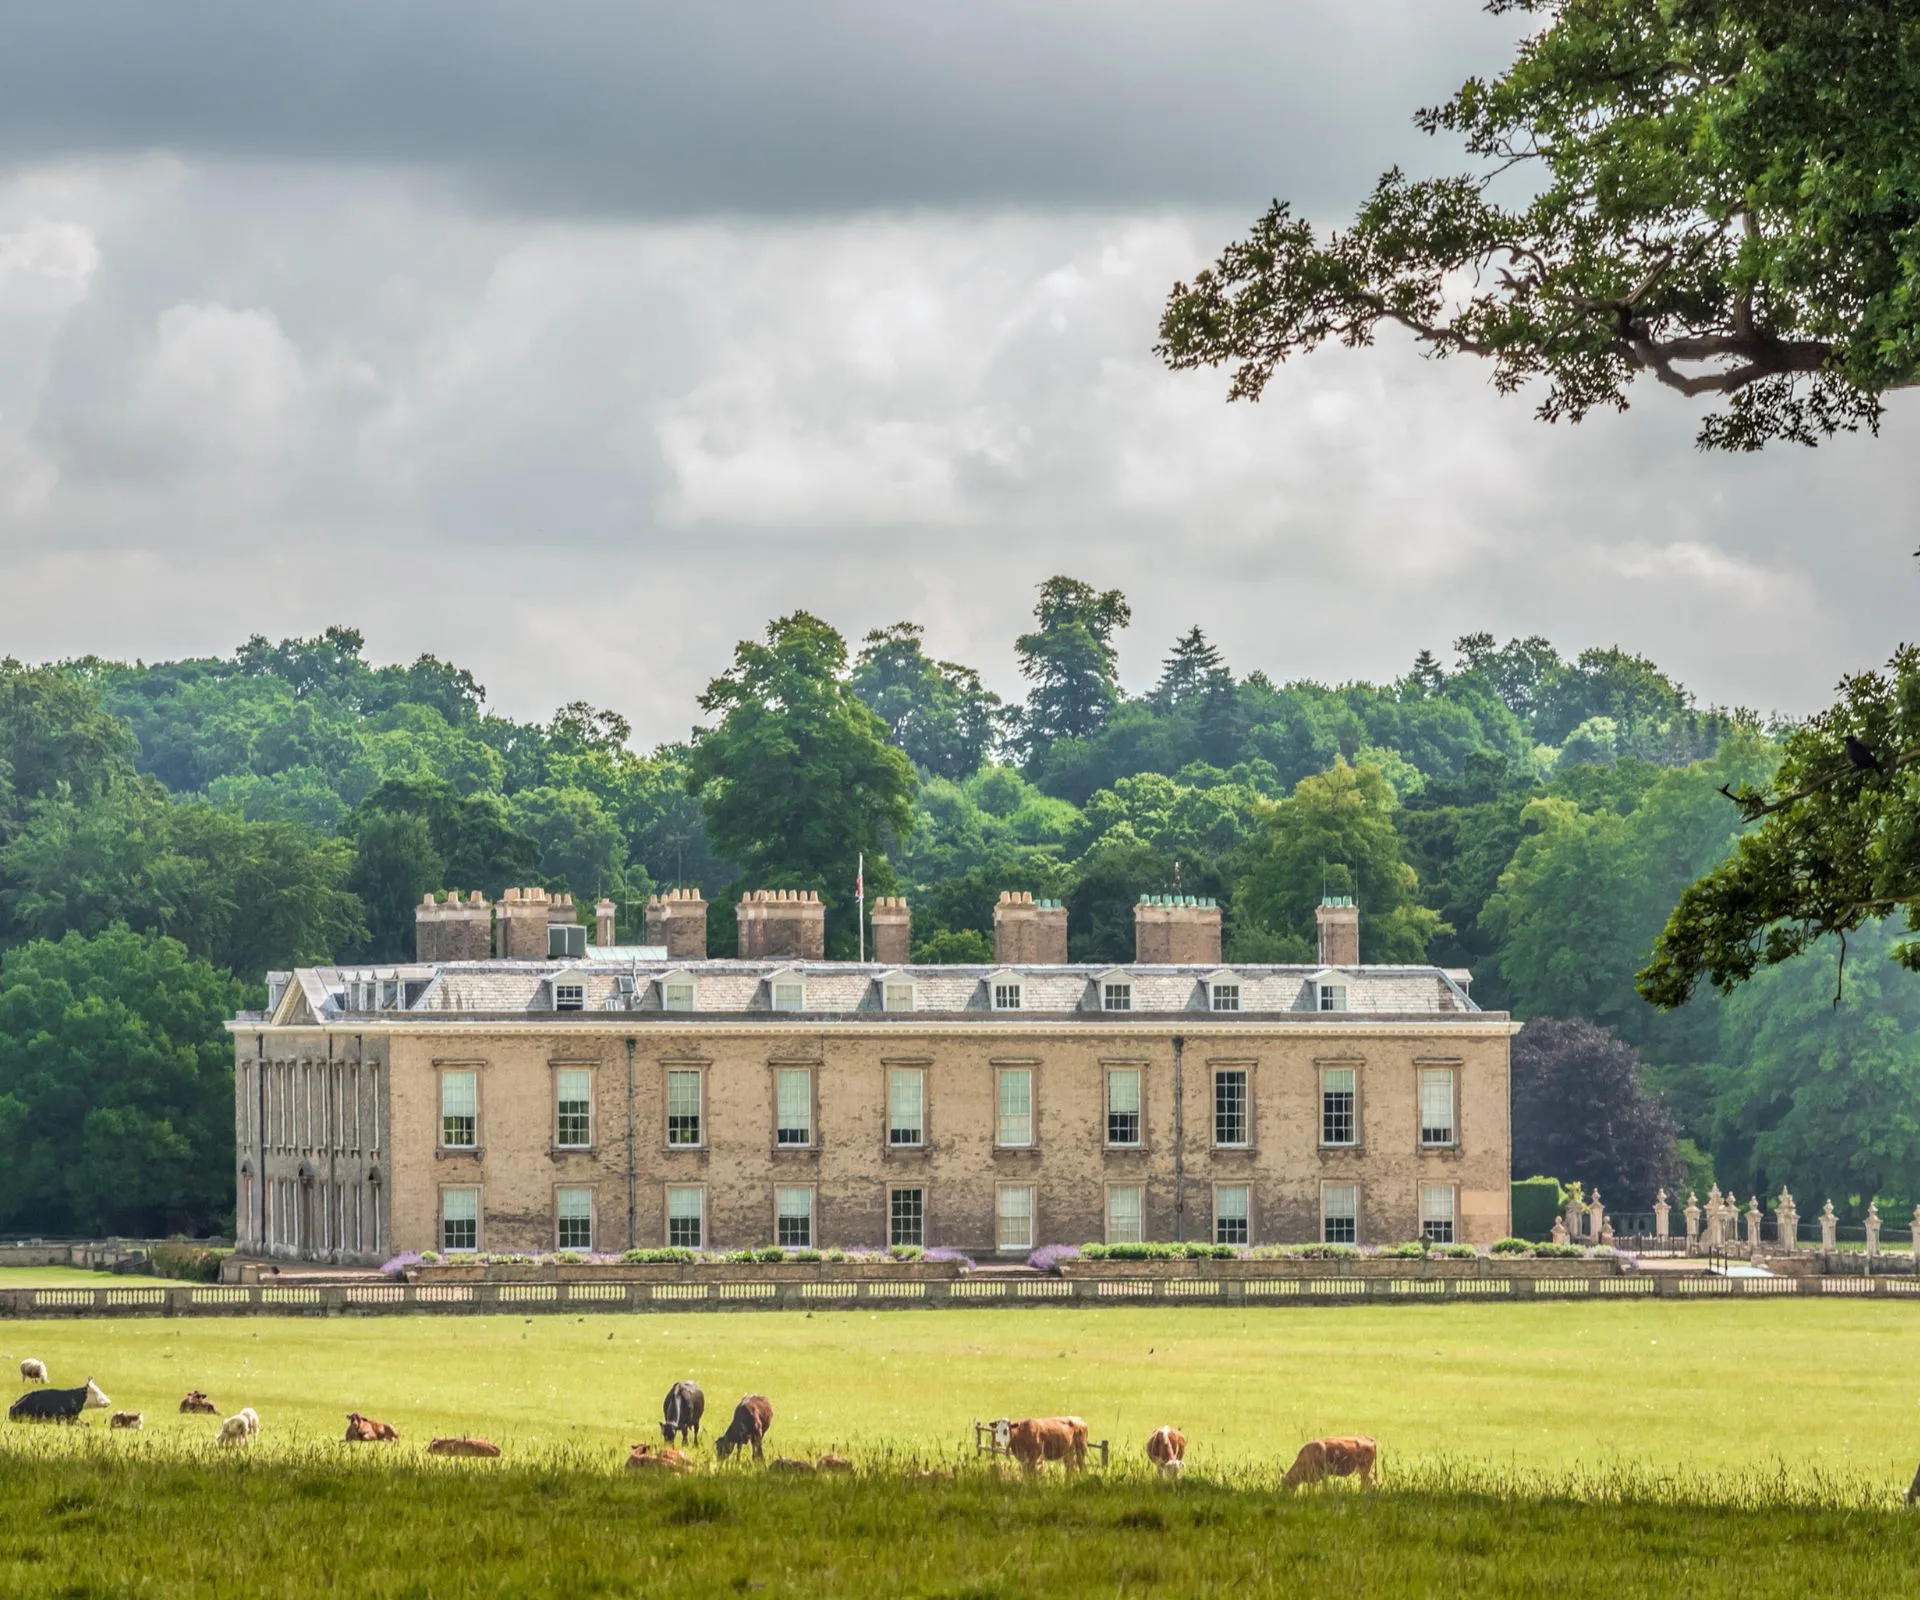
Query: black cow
(56, 1405)
(751, 1420)
(684, 1407)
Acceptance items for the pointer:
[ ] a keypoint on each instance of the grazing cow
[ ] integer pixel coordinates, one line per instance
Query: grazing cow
(1033, 1440)
(236, 1430)
(32, 1371)
(1167, 1450)
(197, 1403)
(1320, 1459)
(463, 1447)
(681, 1412)
(58, 1405)
(368, 1430)
(833, 1463)
(125, 1419)
(664, 1459)
(752, 1417)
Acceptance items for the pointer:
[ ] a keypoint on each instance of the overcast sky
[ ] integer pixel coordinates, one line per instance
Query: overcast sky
(574, 342)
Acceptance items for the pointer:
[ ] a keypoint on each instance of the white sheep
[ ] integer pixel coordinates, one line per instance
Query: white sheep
(32, 1371)
(235, 1431)
(252, 1419)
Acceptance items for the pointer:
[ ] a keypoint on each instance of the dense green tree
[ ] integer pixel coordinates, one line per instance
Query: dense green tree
(478, 847)
(581, 845)
(1335, 833)
(1189, 671)
(1582, 1113)
(1071, 661)
(1107, 886)
(940, 713)
(1717, 194)
(799, 778)
(394, 866)
(55, 738)
(1516, 671)
(116, 1088)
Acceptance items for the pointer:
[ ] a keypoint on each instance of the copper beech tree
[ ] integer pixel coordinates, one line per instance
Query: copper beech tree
(1720, 195)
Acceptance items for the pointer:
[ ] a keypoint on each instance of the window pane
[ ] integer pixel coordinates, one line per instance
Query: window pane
(1436, 1212)
(685, 1214)
(897, 997)
(793, 1088)
(575, 1214)
(573, 1098)
(1006, 997)
(1117, 997)
(1230, 1107)
(789, 996)
(683, 1108)
(1016, 1106)
(460, 1219)
(904, 1122)
(1123, 1214)
(1436, 1105)
(1336, 1105)
(1339, 1213)
(906, 1217)
(1226, 997)
(793, 1217)
(676, 997)
(1016, 1219)
(569, 997)
(1123, 1105)
(1231, 1209)
(459, 1092)
(1333, 997)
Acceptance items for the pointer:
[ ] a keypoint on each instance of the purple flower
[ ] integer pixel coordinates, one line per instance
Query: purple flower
(1049, 1256)
(399, 1264)
(942, 1253)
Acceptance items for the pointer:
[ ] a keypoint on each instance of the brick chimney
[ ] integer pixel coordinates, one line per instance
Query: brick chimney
(892, 931)
(1029, 932)
(561, 910)
(453, 929)
(1176, 930)
(782, 922)
(1338, 921)
(606, 916)
(520, 925)
(678, 920)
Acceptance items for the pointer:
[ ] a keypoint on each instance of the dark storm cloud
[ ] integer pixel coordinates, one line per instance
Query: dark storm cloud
(606, 106)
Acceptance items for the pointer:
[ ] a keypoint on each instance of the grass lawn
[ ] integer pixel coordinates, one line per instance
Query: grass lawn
(1827, 1386)
(76, 1278)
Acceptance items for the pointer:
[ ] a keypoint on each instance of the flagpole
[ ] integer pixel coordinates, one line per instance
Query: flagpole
(860, 903)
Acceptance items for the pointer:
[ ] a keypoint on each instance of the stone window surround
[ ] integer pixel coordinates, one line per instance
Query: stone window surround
(813, 1213)
(703, 1067)
(591, 1066)
(1140, 1066)
(1000, 1069)
(1106, 1211)
(1033, 1219)
(666, 1213)
(1359, 1206)
(1213, 1216)
(926, 1213)
(478, 1149)
(1457, 1148)
(479, 1215)
(1420, 1209)
(1244, 1064)
(593, 1213)
(1357, 1065)
(889, 1065)
(810, 1065)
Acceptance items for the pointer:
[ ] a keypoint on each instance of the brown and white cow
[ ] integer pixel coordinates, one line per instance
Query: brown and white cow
(464, 1447)
(126, 1419)
(198, 1403)
(752, 1417)
(1352, 1455)
(1167, 1450)
(663, 1458)
(369, 1430)
(1033, 1440)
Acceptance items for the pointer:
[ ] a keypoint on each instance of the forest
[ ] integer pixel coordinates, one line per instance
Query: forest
(171, 831)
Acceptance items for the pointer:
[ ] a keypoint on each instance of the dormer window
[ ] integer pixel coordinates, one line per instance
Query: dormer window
(1007, 992)
(787, 991)
(569, 996)
(896, 994)
(389, 994)
(1223, 992)
(677, 992)
(1333, 996)
(1116, 992)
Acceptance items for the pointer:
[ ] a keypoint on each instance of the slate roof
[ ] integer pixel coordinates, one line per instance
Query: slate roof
(728, 988)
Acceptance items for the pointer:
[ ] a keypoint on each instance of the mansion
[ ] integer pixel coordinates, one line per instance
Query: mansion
(518, 1088)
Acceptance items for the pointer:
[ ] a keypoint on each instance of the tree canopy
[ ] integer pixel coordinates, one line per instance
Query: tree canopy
(1720, 195)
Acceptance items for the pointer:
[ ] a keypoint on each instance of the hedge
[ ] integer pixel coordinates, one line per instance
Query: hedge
(1537, 1203)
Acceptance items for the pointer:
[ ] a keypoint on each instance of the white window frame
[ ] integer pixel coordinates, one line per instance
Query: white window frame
(560, 1075)
(1002, 1243)
(1353, 1107)
(450, 1075)
(1245, 1075)
(1118, 1233)
(1244, 1219)
(1451, 1138)
(569, 991)
(900, 1076)
(561, 1219)
(1440, 1225)
(1224, 992)
(470, 1192)
(699, 1191)
(1006, 991)
(782, 1079)
(679, 991)
(787, 992)
(1002, 1077)
(898, 994)
(782, 1194)
(1116, 991)
(1138, 1113)
(1328, 1217)
(1331, 996)
(699, 1076)
(893, 1215)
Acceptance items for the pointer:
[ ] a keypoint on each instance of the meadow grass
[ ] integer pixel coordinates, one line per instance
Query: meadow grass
(159, 1517)
(76, 1278)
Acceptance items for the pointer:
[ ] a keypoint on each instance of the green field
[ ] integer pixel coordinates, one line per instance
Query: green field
(75, 1278)
(1825, 1385)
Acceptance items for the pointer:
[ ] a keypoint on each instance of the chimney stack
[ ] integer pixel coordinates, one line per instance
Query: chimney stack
(678, 920)
(453, 929)
(560, 910)
(782, 922)
(892, 931)
(1029, 932)
(606, 916)
(520, 925)
(1176, 930)
(1338, 921)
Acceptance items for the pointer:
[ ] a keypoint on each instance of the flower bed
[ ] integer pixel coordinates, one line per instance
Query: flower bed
(658, 1266)
(1324, 1261)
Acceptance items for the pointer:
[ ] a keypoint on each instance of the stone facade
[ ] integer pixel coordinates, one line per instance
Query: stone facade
(339, 1102)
